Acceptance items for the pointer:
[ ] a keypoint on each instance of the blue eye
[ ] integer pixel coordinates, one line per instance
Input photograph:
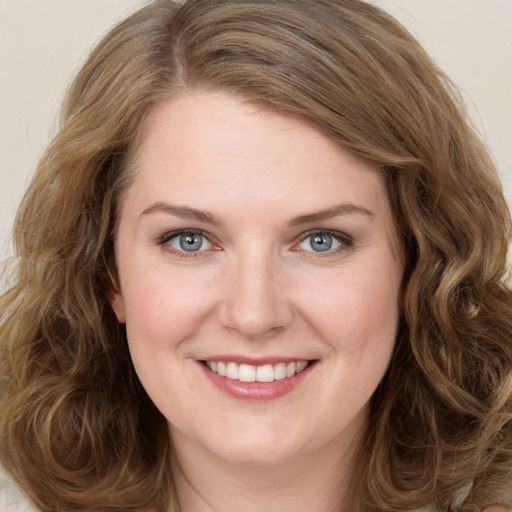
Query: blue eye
(189, 242)
(320, 242)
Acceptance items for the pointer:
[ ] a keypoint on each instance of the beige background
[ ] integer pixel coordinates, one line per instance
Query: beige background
(42, 43)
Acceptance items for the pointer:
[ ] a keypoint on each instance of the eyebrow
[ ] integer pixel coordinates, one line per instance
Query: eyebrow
(206, 217)
(184, 212)
(329, 213)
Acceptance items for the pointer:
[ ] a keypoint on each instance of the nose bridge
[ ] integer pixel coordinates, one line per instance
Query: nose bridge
(256, 302)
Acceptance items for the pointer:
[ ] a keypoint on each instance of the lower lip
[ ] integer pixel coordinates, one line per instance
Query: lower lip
(257, 391)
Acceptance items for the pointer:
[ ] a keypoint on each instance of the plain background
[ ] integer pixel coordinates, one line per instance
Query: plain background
(43, 42)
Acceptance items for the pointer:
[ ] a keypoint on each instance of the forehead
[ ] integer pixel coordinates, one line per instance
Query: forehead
(208, 147)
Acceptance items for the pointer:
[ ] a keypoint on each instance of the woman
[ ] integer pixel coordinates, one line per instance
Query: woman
(261, 267)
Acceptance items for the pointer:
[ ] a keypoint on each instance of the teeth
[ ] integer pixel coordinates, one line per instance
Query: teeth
(265, 373)
(280, 371)
(301, 366)
(232, 371)
(290, 369)
(249, 373)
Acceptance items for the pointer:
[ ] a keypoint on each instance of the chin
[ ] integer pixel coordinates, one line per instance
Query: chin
(257, 448)
(257, 456)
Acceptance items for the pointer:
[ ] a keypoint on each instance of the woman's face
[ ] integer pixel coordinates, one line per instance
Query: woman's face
(249, 246)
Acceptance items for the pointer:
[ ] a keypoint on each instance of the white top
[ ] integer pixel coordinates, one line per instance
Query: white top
(12, 498)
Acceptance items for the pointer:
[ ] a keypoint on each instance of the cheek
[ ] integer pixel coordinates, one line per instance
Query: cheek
(358, 320)
(162, 305)
(358, 308)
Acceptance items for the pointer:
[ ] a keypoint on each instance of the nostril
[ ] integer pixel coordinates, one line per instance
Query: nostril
(254, 318)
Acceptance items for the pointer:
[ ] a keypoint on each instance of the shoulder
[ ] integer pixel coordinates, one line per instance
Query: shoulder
(12, 498)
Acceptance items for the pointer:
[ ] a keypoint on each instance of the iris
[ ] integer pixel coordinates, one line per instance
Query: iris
(321, 242)
(191, 242)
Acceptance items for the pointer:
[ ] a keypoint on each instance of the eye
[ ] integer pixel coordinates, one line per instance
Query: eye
(322, 242)
(188, 241)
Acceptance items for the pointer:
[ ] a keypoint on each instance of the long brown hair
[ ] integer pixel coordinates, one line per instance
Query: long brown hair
(77, 430)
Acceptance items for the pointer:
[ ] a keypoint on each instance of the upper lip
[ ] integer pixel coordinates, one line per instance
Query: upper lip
(255, 361)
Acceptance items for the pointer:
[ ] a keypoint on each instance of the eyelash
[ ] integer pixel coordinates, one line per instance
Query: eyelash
(343, 239)
(167, 237)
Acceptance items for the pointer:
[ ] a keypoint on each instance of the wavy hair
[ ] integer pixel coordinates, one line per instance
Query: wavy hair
(78, 432)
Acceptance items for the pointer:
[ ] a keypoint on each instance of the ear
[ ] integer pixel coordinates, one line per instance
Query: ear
(115, 299)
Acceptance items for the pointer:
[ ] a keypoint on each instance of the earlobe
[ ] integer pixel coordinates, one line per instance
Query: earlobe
(117, 305)
(115, 299)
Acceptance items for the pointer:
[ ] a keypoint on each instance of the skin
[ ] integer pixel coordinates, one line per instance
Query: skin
(256, 288)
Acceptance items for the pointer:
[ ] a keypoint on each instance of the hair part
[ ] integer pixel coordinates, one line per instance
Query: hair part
(76, 428)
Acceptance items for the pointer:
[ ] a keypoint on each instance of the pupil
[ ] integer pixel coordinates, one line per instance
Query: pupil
(321, 243)
(190, 243)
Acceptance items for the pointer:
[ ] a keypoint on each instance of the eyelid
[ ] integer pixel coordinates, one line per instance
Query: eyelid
(345, 241)
(163, 240)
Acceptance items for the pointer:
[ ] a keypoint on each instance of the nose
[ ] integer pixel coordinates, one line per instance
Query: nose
(255, 302)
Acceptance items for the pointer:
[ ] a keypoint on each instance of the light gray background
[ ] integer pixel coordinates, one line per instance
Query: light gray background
(43, 42)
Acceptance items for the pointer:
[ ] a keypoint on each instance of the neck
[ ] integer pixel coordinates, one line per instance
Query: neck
(314, 481)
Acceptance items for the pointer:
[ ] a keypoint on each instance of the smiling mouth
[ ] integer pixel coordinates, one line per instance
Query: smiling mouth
(250, 373)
